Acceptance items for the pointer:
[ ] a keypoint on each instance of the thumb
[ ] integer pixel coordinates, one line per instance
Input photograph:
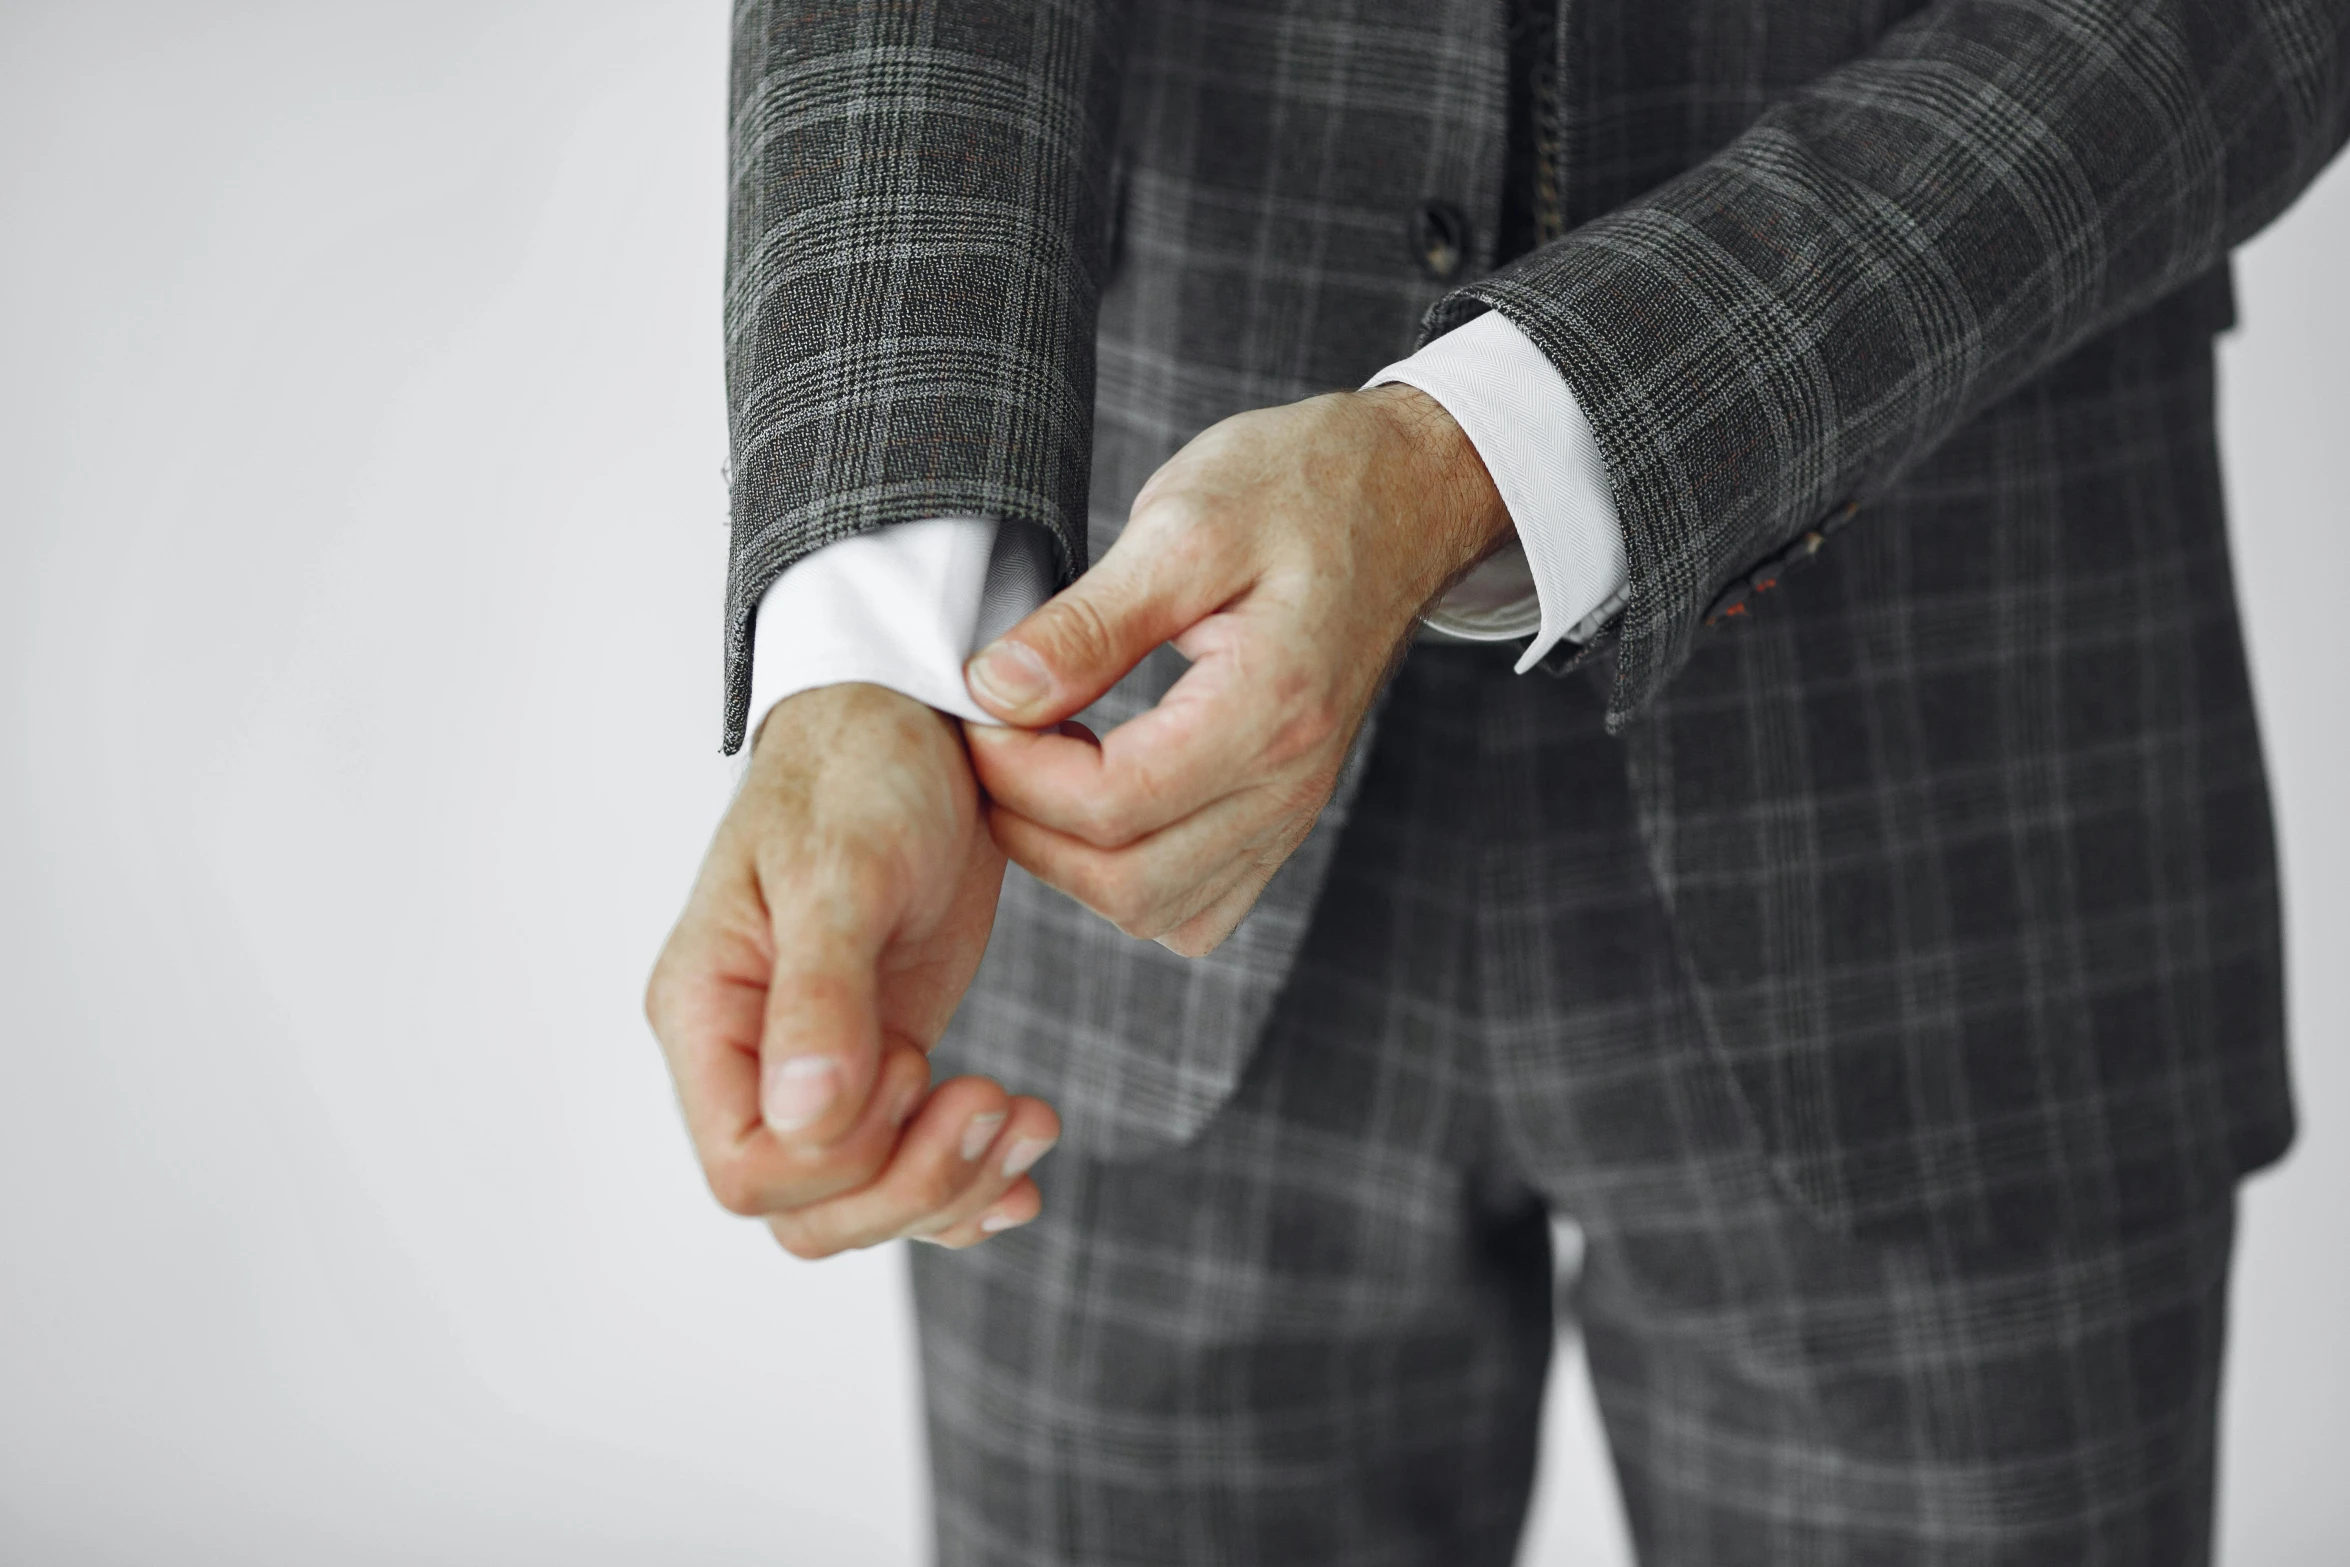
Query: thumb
(1077, 644)
(820, 1042)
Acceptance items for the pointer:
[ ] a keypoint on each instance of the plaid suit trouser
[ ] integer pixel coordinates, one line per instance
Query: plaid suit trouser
(1318, 1333)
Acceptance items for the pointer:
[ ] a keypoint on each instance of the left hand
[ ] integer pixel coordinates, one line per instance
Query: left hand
(1287, 553)
(838, 917)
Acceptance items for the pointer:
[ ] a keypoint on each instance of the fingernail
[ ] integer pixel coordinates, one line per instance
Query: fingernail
(797, 1090)
(1024, 1155)
(998, 1221)
(979, 1133)
(1009, 674)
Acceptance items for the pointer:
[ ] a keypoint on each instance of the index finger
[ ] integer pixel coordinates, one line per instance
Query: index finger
(1205, 739)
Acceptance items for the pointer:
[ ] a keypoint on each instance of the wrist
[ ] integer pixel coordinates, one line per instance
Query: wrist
(822, 716)
(1452, 498)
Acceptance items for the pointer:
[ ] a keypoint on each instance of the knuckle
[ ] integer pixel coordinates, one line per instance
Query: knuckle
(660, 994)
(1209, 547)
(840, 1173)
(1187, 943)
(1120, 901)
(1145, 921)
(1185, 527)
(1139, 929)
(1106, 823)
(1203, 933)
(1084, 629)
(736, 1190)
(1090, 885)
(938, 1187)
(1165, 510)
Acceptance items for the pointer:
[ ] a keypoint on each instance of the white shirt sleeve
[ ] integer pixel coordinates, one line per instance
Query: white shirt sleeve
(1566, 573)
(900, 607)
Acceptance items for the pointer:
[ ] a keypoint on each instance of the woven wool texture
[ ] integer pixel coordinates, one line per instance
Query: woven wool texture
(1318, 1332)
(1963, 832)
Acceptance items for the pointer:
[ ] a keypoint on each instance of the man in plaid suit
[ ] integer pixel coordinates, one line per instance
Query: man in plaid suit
(1739, 739)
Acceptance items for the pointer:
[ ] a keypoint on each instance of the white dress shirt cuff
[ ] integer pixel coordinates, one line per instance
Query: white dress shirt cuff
(900, 607)
(1565, 574)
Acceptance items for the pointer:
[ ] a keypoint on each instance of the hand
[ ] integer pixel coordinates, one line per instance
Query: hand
(1286, 552)
(836, 922)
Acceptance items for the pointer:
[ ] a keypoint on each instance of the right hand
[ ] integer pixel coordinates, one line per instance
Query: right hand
(837, 920)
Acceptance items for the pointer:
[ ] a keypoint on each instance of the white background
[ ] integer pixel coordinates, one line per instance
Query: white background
(360, 551)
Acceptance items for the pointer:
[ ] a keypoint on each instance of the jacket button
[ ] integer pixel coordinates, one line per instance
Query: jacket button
(1439, 237)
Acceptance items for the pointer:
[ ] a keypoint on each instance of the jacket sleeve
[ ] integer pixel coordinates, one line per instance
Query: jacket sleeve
(1774, 334)
(914, 257)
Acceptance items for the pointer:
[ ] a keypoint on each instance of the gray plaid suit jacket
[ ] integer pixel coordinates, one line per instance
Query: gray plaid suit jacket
(1964, 829)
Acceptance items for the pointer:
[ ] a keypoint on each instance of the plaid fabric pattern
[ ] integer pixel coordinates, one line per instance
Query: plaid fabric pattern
(1963, 834)
(1899, 237)
(1318, 1333)
(1966, 832)
(914, 258)
(1272, 158)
